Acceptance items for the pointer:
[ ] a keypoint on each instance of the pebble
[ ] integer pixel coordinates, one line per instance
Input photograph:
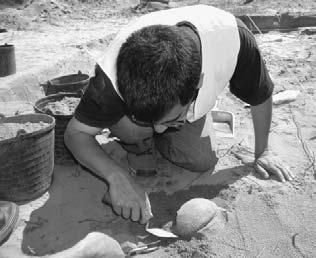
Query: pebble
(156, 6)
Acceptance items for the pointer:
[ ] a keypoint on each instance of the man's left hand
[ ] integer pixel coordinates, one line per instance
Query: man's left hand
(268, 163)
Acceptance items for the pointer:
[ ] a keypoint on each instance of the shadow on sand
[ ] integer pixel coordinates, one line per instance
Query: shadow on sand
(74, 209)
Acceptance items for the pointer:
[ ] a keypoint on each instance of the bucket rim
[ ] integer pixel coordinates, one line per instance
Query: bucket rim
(55, 81)
(54, 97)
(15, 119)
(7, 46)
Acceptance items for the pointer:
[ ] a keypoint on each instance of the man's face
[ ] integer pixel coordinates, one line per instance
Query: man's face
(175, 118)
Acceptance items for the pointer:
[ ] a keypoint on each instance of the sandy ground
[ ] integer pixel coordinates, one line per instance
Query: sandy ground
(266, 218)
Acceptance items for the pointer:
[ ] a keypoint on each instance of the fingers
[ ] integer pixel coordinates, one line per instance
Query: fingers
(272, 168)
(286, 173)
(133, 212)
(117, 209)
(126, 212)
(278, 173)
(268, 162)
(261, 171)
(136, 213)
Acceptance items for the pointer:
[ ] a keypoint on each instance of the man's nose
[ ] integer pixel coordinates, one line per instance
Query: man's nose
(160, 128)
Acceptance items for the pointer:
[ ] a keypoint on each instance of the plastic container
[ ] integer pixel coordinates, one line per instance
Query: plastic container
(27, 161)
(7, 60)
(72, 83)
(62, 154)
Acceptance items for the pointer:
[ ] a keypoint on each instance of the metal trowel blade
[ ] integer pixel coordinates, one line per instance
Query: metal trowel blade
(158, 232)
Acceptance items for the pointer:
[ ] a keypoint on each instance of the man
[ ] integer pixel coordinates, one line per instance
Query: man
(154, 89)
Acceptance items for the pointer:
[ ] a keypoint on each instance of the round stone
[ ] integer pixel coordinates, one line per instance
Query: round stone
(194, 215)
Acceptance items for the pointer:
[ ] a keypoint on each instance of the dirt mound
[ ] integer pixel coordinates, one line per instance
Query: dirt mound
(66, 106)
(23, 15)
(11, 130)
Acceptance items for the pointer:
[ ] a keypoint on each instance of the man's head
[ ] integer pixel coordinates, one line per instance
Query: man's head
(158, 67)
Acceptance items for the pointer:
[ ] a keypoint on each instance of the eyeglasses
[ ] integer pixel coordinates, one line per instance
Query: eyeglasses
(172, 124)
(177, 123)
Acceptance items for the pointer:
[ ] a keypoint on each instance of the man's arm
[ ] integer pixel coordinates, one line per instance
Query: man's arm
(261, 117)
(128, 199)
(265, 161)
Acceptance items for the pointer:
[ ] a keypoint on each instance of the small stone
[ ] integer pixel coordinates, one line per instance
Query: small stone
(156, 6)
(194, 215)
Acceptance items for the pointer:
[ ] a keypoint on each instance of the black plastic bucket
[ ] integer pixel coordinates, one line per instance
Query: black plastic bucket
(27, 161)
(7, 60)
(73, 83)
(62, 154)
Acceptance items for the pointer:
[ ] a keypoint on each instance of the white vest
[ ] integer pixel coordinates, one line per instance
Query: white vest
(219, 45)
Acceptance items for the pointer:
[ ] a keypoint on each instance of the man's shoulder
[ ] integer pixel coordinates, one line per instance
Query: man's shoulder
(101, 88)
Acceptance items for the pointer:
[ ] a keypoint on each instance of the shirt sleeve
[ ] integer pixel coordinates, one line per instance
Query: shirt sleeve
(251, 81)
(100, 106)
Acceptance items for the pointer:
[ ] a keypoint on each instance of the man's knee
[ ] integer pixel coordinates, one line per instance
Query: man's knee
(205, 163)
(199, 162)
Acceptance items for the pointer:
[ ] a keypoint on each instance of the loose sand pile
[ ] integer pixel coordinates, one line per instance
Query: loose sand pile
(11, 130)
(65, 106)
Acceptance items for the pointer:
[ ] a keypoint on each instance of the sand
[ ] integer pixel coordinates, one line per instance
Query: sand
(265, 218)
(65, 106)
(11, 130)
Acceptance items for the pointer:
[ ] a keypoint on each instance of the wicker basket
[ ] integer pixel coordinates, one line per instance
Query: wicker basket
(62, 154)
(27, 161)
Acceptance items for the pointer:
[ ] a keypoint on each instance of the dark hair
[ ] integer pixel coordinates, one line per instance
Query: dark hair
(158, 67)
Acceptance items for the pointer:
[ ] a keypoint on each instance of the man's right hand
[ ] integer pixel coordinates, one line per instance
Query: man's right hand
(128, 199)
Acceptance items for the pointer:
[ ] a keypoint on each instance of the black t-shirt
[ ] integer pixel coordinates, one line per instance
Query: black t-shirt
(101, 106)
(251, 81)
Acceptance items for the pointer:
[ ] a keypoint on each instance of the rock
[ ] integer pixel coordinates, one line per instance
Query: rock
(194, 215)
(156, 6)
(97, 244)
(215, 225)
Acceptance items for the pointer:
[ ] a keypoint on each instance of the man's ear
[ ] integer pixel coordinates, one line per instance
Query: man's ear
(200, 81)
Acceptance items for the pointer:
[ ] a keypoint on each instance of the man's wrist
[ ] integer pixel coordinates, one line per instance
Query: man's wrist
(258, 153)
(116, 175)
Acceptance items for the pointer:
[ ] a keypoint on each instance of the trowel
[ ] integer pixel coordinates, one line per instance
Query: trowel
(158, 232)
